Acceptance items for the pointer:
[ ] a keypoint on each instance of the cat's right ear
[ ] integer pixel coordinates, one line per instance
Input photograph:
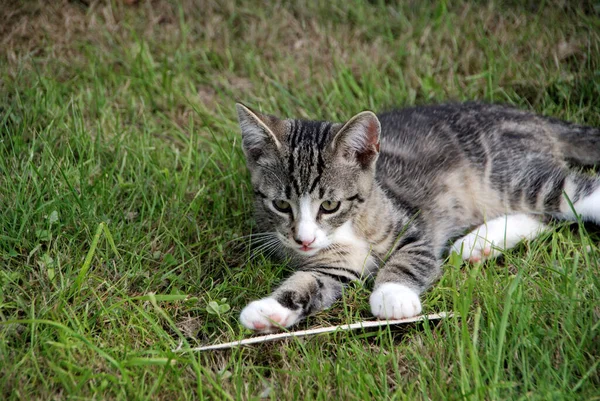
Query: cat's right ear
(259, 133)
(358, 139)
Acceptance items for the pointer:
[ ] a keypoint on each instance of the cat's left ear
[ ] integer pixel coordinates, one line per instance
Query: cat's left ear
(358, 139)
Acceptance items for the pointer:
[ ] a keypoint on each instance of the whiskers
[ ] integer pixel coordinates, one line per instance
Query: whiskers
(267, 244)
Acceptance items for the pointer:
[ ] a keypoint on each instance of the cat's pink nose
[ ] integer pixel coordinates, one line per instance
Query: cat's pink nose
(304, 242)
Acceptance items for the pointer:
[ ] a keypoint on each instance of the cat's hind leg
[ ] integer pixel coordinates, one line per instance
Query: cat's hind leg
(505, 232)
(584, 194)
(497, 235)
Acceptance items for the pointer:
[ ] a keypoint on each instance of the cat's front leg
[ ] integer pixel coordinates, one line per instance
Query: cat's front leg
(408, 272)
(307, 291)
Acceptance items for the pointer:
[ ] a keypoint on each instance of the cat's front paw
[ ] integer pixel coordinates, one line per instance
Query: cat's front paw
(267, 315)
(394, 301)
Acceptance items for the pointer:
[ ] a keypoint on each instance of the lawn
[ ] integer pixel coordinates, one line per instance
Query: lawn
(126, 207)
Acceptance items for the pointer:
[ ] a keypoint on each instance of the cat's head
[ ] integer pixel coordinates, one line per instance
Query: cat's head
(310, 178)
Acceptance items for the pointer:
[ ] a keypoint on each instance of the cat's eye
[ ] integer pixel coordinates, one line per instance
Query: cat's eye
(282, 206)
(330, 206)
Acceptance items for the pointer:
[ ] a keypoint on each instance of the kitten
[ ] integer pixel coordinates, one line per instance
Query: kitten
(385, 194)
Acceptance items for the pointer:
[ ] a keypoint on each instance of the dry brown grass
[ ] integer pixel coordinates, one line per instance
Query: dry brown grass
(301, 48)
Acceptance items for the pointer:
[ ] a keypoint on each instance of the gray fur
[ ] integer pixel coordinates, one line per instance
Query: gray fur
(409, 182)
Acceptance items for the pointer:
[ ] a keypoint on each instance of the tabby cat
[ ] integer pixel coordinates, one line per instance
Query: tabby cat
(386, 194)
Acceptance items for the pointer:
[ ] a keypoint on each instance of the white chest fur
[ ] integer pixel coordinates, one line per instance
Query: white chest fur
(360, 253)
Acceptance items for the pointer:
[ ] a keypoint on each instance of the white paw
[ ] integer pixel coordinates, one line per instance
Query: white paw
(394, 301)
(267, 315)
(474, 247)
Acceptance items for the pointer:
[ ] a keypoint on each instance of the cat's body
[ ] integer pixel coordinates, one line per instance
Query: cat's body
(386, 195)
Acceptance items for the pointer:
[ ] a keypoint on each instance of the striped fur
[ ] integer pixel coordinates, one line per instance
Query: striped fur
(407, 182)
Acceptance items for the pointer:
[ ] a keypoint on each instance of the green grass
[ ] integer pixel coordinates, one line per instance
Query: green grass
(125, 203)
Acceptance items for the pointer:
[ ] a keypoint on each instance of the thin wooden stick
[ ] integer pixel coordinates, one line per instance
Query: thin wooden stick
(303, 333)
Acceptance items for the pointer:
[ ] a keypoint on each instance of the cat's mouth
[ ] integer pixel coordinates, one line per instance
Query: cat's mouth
(305, 250)
(308, 251)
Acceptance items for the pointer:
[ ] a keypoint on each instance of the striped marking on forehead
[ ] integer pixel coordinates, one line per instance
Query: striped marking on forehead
(306, 141)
